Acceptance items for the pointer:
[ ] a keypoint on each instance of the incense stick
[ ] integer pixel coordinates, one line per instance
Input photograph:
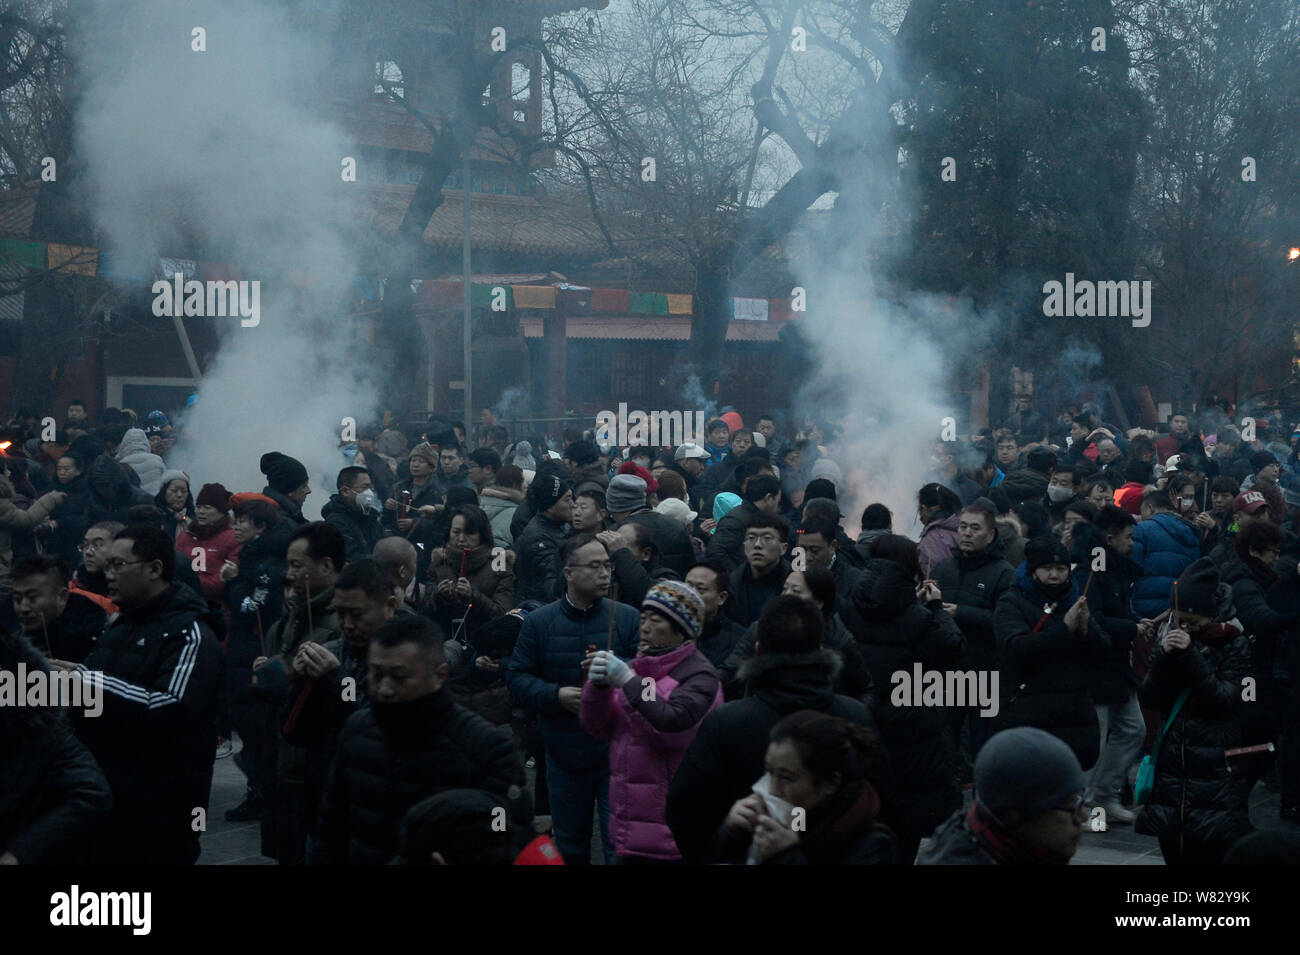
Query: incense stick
(311, 627)
(609, 641)
(261, 635)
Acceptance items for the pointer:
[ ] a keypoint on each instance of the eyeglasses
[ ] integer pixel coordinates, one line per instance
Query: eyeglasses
(118, 564)
(87, 546)
(761, 539)
(1078, 811)
(596, 566)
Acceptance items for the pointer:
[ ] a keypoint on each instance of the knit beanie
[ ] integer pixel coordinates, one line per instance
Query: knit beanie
(626, 492)
(1042, 551)
(286, 474)
(170, 475)
(724, 502)
(1027, 770)
(630, 467)
(213, 495)
(1196, 591)
(425, 450)
(1261, 459)
(546, 489)
(679, 603)
(827, 469)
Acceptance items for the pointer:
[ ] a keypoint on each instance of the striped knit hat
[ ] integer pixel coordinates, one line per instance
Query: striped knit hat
(679, 603)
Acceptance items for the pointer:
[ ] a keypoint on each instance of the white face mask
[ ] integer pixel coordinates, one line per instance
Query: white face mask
(1187, 503)
(367, 500)
(1059, 495)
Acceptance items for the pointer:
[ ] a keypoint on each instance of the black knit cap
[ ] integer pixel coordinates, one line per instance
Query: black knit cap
(1197, 589)
(1042, 551)
(546, 489)
(1262, 459)
(283, 473)
(582, 453)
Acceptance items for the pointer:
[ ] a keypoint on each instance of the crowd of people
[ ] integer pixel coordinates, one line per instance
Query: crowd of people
(488, 651)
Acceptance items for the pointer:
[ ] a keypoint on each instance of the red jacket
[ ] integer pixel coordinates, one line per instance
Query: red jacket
(219, 545)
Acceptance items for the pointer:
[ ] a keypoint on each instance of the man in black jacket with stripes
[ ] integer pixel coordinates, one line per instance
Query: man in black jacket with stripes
(156, 737)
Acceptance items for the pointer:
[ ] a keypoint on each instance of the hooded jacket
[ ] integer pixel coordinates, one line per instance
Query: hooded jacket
(391, 757)
(1164, 545)
(1045, 668)
(13, 518)
(727, 755)
(360, 531)
(500, 504)
(898, 633)
(649, 733)
(156, 737)
(1197, 798)
(1026, 484)
(975, 583)
(852, 679)
(728, 541)
(54, 798)
(134, 452)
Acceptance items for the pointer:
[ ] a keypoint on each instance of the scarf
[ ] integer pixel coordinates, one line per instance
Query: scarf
(1061, 597)
(995, 839)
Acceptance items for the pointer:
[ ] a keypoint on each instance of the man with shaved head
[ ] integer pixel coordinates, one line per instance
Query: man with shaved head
(398, 557)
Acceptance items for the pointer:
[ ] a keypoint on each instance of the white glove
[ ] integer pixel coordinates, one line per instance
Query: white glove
(609, 670)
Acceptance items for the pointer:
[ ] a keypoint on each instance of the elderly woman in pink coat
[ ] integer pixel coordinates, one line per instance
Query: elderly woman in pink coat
(650, 709)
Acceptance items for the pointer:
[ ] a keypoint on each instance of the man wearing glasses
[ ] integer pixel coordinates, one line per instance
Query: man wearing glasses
(156, 737)
(546, 673)
(763, 573)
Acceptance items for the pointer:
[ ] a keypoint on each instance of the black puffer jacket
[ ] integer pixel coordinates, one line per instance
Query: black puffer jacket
(360, 531)
(975, 583)
(157, 735)
(539, 572)
(548, 655)
(1110, 600)
(54, 797)
(727, 755)
(255, 596)
(291, 511)
(719, 638)
(430, 494)
(71, 519)
(1251, 582)
(389, 758)
(72, 635)
(1045, 668)
(1196, 798)
(896, 634)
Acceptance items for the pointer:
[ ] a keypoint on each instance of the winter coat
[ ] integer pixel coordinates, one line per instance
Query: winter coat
(1025, 484)
(156, 737)
(633, 578)
(975, 583)
(866, 539)
(938, 540)
(72, 634)
(218, 545)
(112, 495)
(71, 518)
(13, 518)
(719, 637)
(442, 483)
(1045, 668)
(384, 768)
(676, 552)
(843, 829)
(1164, 545)
(54, 798)
(1196, 797)
(749, 595)
(430, 493)
(492, 591)
(897, 634)
(728, 753)
(953, 843)
(728, 541)
(256, 594)
(291, 511)
(549, 654)
(853, 679)
(1111, 605)
(1267, 626)
(360, 531)
(539, 572)
(134, 452)
(649, 733)
(500, 504)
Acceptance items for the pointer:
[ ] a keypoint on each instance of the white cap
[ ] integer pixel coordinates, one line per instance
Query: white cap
(677, 509)
(689, 450)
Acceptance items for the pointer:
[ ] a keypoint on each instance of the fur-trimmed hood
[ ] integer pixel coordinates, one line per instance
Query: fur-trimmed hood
(793, 681)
